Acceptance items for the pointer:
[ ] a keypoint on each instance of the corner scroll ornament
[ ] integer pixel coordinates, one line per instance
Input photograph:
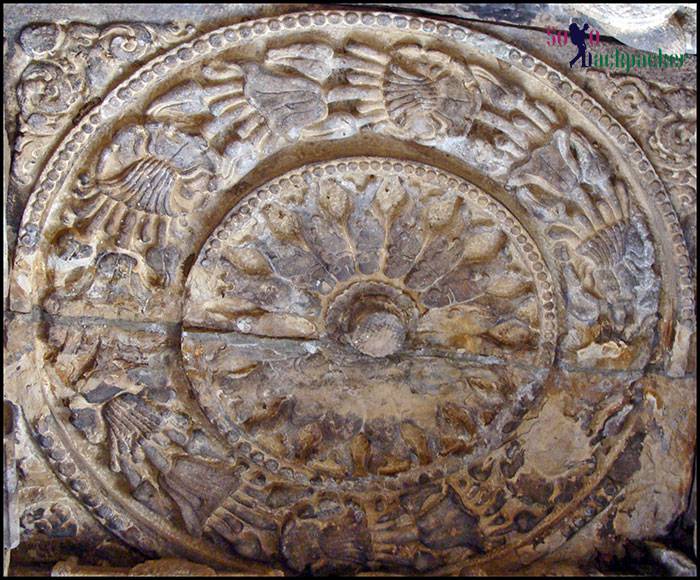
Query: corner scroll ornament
(68, 67)
(355, 364)
(664, 119)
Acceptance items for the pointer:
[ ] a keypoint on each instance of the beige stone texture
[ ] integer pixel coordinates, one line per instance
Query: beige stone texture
(299, 289)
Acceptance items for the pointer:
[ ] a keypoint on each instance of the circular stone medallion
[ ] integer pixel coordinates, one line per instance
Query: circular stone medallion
(370, 341)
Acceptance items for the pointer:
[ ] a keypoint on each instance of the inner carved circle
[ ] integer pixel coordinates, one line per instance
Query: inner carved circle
(365, 318)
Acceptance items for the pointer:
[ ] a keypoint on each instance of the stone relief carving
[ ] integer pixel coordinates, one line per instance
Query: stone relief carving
(665, 120)
(367, 361)
(57, 522)
(608, 260)
(69, 68)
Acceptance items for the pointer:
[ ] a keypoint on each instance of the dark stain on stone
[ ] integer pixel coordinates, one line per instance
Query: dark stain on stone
(627, 464)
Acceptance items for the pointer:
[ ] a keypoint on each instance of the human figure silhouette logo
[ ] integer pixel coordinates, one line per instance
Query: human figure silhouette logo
(578, 37)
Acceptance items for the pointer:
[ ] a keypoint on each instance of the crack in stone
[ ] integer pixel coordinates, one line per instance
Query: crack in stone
(176, 329)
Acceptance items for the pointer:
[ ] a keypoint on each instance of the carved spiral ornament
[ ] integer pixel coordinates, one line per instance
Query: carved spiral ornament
(350, 291)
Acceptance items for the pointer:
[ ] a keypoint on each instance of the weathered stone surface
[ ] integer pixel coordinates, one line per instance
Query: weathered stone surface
(345, 291)
(643, 26)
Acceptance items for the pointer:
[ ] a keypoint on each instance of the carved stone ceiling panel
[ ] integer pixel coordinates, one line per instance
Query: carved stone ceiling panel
(351, 291)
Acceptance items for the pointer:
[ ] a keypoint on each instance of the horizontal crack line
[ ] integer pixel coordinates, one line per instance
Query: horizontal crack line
(174, 329)
(41, 315)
